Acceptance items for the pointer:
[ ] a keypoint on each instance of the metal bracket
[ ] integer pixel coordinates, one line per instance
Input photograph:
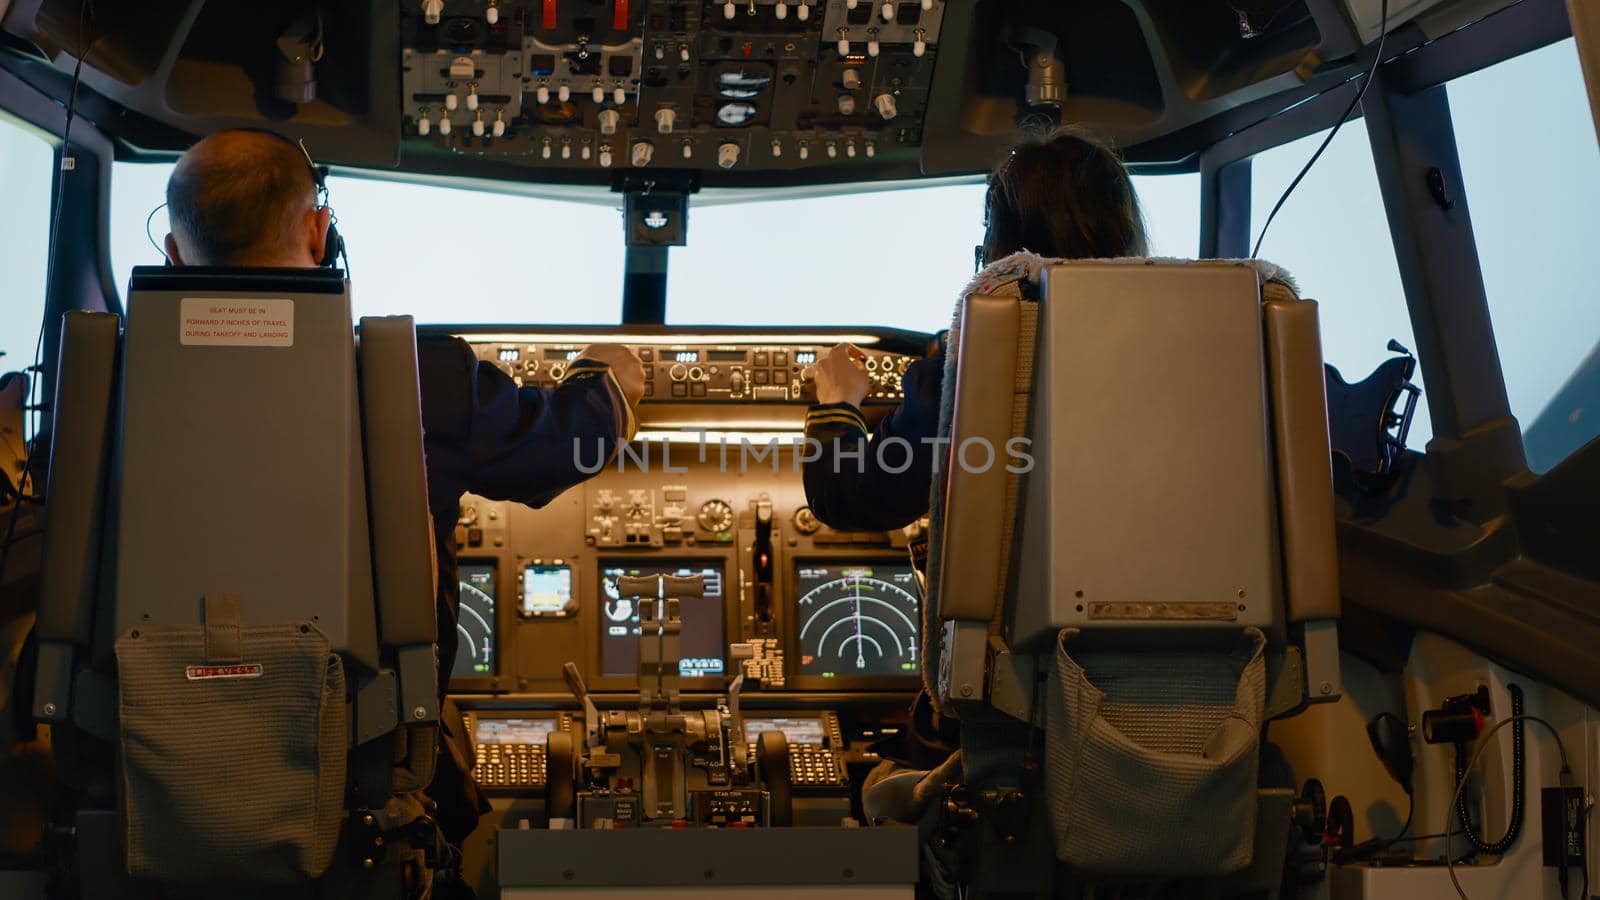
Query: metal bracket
(1323, 682)
(418, 670)
(961, 666)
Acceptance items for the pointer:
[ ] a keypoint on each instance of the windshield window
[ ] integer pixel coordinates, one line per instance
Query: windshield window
(1532, 173)
(1333, 237)
(896, 258)
(443, 255)
(27, 161)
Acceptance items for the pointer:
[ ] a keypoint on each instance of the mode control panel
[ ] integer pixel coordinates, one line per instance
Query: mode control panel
(697, 373)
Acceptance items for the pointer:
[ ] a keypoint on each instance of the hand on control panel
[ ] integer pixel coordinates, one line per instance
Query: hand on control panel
(624, 364)
(841, 377)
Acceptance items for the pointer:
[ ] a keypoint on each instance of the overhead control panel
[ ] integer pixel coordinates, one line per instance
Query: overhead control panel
(752, 84)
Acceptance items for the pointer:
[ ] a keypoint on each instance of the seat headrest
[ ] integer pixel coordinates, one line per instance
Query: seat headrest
(237, 280)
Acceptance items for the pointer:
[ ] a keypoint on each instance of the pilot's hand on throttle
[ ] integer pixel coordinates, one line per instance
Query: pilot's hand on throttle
(624, 365)
(841, 377)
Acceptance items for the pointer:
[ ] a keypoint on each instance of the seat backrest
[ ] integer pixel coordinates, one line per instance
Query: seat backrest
(239, 465)
(1134, 548)
(239, 559)
(1172, 426)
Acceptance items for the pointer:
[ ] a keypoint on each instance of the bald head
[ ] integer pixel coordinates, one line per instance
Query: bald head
(244, 198)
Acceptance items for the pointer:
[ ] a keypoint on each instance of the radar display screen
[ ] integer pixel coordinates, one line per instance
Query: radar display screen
(546, 590)
(475, 621)
(512, 731)
(799, 730)
(700, 641)
(858, 619)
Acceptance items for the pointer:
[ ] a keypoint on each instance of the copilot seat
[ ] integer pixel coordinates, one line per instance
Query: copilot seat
(237, 626)
(1117, 608)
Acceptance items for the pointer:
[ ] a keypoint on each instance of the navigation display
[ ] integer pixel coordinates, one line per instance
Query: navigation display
(799, 730)
(546, 591)
(475, 622)
(857, 619)
(512, 731)
(700, 643)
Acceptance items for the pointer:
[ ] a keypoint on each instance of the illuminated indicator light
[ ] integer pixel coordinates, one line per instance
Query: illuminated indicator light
(548, 18)
(619, 16)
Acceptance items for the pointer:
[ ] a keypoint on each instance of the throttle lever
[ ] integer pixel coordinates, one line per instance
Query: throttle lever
(591, 714)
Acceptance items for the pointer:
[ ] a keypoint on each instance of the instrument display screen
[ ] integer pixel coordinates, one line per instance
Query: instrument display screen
(798, 729)
(857, 618)
(475, 623)
(701, 642)
(512, 731)
(546, 590)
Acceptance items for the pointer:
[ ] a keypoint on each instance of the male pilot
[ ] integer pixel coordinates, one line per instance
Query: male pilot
(249, 198)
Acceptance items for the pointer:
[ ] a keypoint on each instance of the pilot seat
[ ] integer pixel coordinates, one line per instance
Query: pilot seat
(237, 625)
(1132, 570)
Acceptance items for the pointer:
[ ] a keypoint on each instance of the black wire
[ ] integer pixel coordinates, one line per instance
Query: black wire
(1377, 58)
(1518, 784)
(84, 13)
(152, 238)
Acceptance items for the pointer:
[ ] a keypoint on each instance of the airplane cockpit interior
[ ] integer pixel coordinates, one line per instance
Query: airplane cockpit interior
(573, 449)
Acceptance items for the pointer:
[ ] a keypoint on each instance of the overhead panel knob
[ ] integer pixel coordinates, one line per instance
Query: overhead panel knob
(729, 10)
(643, 152)
(777, 148)
(608, 121)
(542, 94)
(851, 79)
(851, 4)
(780, 10)
(872, 149)
(598, 93)
(431, 10)
(804, 150)
(927, 4)
(804, 11)
(477, 125)
(444, 124)
(451, 101)
(872, 47)
(424, 124)
(492, 14)
(605, 155)
(619, 95)
(920, 45)
(665, 116)
(500, 124)
(688, 149)
(847, 104)
(545, 151)
(564, 93)
(886, 106)
(888, 12)
(728, 155)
